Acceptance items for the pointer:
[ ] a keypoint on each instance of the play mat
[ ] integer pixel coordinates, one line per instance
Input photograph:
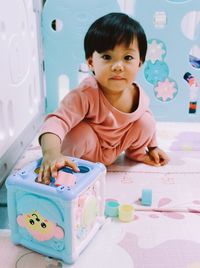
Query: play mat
(166, 234)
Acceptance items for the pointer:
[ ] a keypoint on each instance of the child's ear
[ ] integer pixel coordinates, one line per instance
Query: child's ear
(140, 63)
(90, 63)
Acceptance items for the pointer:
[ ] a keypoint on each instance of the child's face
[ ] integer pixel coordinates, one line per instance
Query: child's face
(116, 69)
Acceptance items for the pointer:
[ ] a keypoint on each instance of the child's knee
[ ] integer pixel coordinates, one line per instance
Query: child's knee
(79, 140)
(80, 133)
(146, 125)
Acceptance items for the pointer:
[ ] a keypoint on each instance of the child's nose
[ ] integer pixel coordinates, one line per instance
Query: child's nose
(117, 66)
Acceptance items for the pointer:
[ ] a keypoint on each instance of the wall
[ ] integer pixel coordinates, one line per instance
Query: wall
(172, 28)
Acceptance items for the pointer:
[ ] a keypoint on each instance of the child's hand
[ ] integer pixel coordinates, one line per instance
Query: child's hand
(156, 157)
(50, 166)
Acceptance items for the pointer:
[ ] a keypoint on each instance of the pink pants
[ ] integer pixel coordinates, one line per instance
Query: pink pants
(82, 142)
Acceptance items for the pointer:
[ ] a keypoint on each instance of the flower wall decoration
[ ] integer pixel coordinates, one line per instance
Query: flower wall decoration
(166, 90)
(156, 71)
(156, 50)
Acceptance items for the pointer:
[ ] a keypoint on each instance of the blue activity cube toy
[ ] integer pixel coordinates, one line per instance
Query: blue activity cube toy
(59, 219)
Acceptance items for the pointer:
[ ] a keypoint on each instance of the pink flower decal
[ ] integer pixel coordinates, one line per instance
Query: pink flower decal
(169, 212)
(164, 201)
(166, 90)
(156, 50)
(174, 215)
(196, 202)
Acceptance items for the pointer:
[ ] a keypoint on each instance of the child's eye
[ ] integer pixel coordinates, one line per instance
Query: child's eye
(106, 57)
(128, 57)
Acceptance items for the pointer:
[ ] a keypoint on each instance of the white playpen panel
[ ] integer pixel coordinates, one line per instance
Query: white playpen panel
(21, 90)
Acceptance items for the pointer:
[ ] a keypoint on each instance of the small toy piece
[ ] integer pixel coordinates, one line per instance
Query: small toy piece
(126, 212)
(112, 208)
(65, 179)
(146, 197)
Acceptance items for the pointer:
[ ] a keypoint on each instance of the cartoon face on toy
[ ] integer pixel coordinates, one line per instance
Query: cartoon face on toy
(39, 227)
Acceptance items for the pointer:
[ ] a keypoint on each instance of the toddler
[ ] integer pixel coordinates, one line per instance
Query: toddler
(108, 113)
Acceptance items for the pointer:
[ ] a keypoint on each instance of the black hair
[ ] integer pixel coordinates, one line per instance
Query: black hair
(114, 29)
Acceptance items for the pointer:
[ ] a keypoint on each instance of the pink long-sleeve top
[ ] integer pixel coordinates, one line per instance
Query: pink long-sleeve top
(87, 102)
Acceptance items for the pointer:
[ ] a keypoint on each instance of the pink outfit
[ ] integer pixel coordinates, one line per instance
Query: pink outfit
(91, 128)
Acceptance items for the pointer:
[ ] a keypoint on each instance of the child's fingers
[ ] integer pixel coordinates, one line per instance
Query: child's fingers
(149, 161)
(71, 164)
(155, 156)
(51, 169)
(153, 163)
(54, 170)
(159, 156)
(43, 173)
(164, 159)
(67, 162)
(46, 175)
(57, 165)
(40, 175)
